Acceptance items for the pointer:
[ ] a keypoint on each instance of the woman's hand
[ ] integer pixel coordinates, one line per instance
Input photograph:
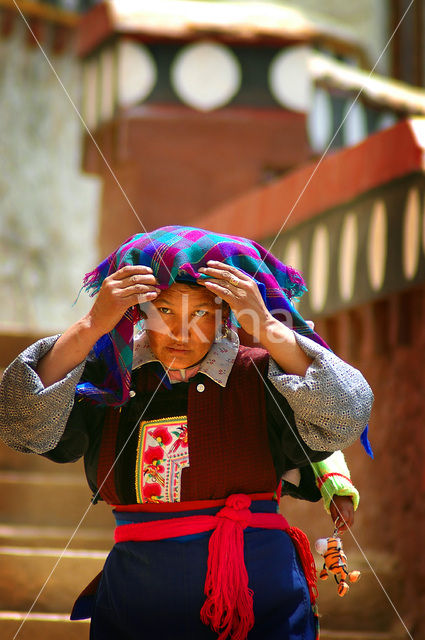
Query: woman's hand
(240, 292)
(121, 290)
(129, 286)
(342, 512)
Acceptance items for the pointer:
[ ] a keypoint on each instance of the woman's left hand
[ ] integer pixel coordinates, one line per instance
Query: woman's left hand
(240, 292)
(342, 512)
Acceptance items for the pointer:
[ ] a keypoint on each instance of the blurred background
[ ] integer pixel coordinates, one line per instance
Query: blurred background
(296, 124)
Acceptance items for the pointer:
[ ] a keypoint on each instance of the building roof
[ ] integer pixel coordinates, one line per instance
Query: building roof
(186, 19)
(379, 90)
(43, 11)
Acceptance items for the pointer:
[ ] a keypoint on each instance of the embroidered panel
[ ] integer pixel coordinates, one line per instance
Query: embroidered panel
(162, 454)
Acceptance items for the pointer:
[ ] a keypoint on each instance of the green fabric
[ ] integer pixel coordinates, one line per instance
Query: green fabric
(336, 484)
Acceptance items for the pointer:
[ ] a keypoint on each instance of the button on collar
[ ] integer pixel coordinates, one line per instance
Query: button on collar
(200, 387)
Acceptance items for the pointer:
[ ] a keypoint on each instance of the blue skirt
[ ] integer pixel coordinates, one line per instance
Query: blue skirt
(156, 588)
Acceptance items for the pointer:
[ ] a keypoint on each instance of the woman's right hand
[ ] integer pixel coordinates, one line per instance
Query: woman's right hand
(126, 287)
(121, 290)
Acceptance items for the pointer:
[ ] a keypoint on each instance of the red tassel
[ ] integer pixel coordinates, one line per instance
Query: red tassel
(228, 608)
(302, 545)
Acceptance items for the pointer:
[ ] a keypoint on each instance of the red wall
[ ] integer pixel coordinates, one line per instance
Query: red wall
(386, 341)
(175, 164)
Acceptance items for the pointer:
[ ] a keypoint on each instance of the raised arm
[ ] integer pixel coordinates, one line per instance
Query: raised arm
(129, 286)
(331, 400)
(38, 388)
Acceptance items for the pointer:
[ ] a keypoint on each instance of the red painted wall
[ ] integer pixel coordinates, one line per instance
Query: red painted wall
(386, 341)
(175, 164)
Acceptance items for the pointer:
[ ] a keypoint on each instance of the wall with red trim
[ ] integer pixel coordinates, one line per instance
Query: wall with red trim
(323, 184)
(386, 341)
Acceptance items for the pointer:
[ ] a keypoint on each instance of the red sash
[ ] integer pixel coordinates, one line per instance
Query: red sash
(228, 607)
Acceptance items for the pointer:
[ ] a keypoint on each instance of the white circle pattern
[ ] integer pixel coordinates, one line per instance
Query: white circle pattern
(206, 75)
(290, 80)
(319, 268)
(320, 120)
(377, 245)
(411, 235)
(137, 73)
(348, 256)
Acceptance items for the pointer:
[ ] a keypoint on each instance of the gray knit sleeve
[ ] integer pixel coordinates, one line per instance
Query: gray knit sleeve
(331, 403)
(32, 417)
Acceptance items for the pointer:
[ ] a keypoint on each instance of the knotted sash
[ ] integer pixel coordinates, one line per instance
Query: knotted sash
(228, 607)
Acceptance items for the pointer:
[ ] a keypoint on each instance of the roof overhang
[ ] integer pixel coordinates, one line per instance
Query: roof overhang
(244, 22)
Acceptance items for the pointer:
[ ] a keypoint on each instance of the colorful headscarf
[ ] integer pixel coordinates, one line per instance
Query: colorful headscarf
(176, 253)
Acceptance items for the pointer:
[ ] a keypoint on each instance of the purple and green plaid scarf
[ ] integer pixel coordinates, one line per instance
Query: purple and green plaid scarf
(176, 253)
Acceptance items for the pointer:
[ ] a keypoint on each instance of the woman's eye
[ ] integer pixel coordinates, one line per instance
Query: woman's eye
(201, 313)
(165, 310)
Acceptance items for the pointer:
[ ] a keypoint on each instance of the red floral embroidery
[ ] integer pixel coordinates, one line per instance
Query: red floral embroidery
(154, 456)
(162, 454)
(152, 492)
(162, 436)
(153, 466)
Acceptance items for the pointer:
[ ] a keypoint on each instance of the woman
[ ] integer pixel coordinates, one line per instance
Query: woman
(187, 433)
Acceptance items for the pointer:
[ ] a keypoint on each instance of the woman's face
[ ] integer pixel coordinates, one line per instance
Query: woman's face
(182, 323)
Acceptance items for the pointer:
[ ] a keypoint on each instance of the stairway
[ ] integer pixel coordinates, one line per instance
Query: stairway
(53, 542)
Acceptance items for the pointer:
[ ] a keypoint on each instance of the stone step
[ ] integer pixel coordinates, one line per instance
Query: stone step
(40, 499)
(41, 626)
(59, 575)
(23, 571)
(54, 626)
(11, 460)
(326, 634)
(56, 537)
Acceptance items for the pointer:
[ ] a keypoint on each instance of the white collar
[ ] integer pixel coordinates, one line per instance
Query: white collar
(217, 364)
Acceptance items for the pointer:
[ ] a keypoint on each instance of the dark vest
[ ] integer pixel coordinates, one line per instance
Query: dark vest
(229, 448)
